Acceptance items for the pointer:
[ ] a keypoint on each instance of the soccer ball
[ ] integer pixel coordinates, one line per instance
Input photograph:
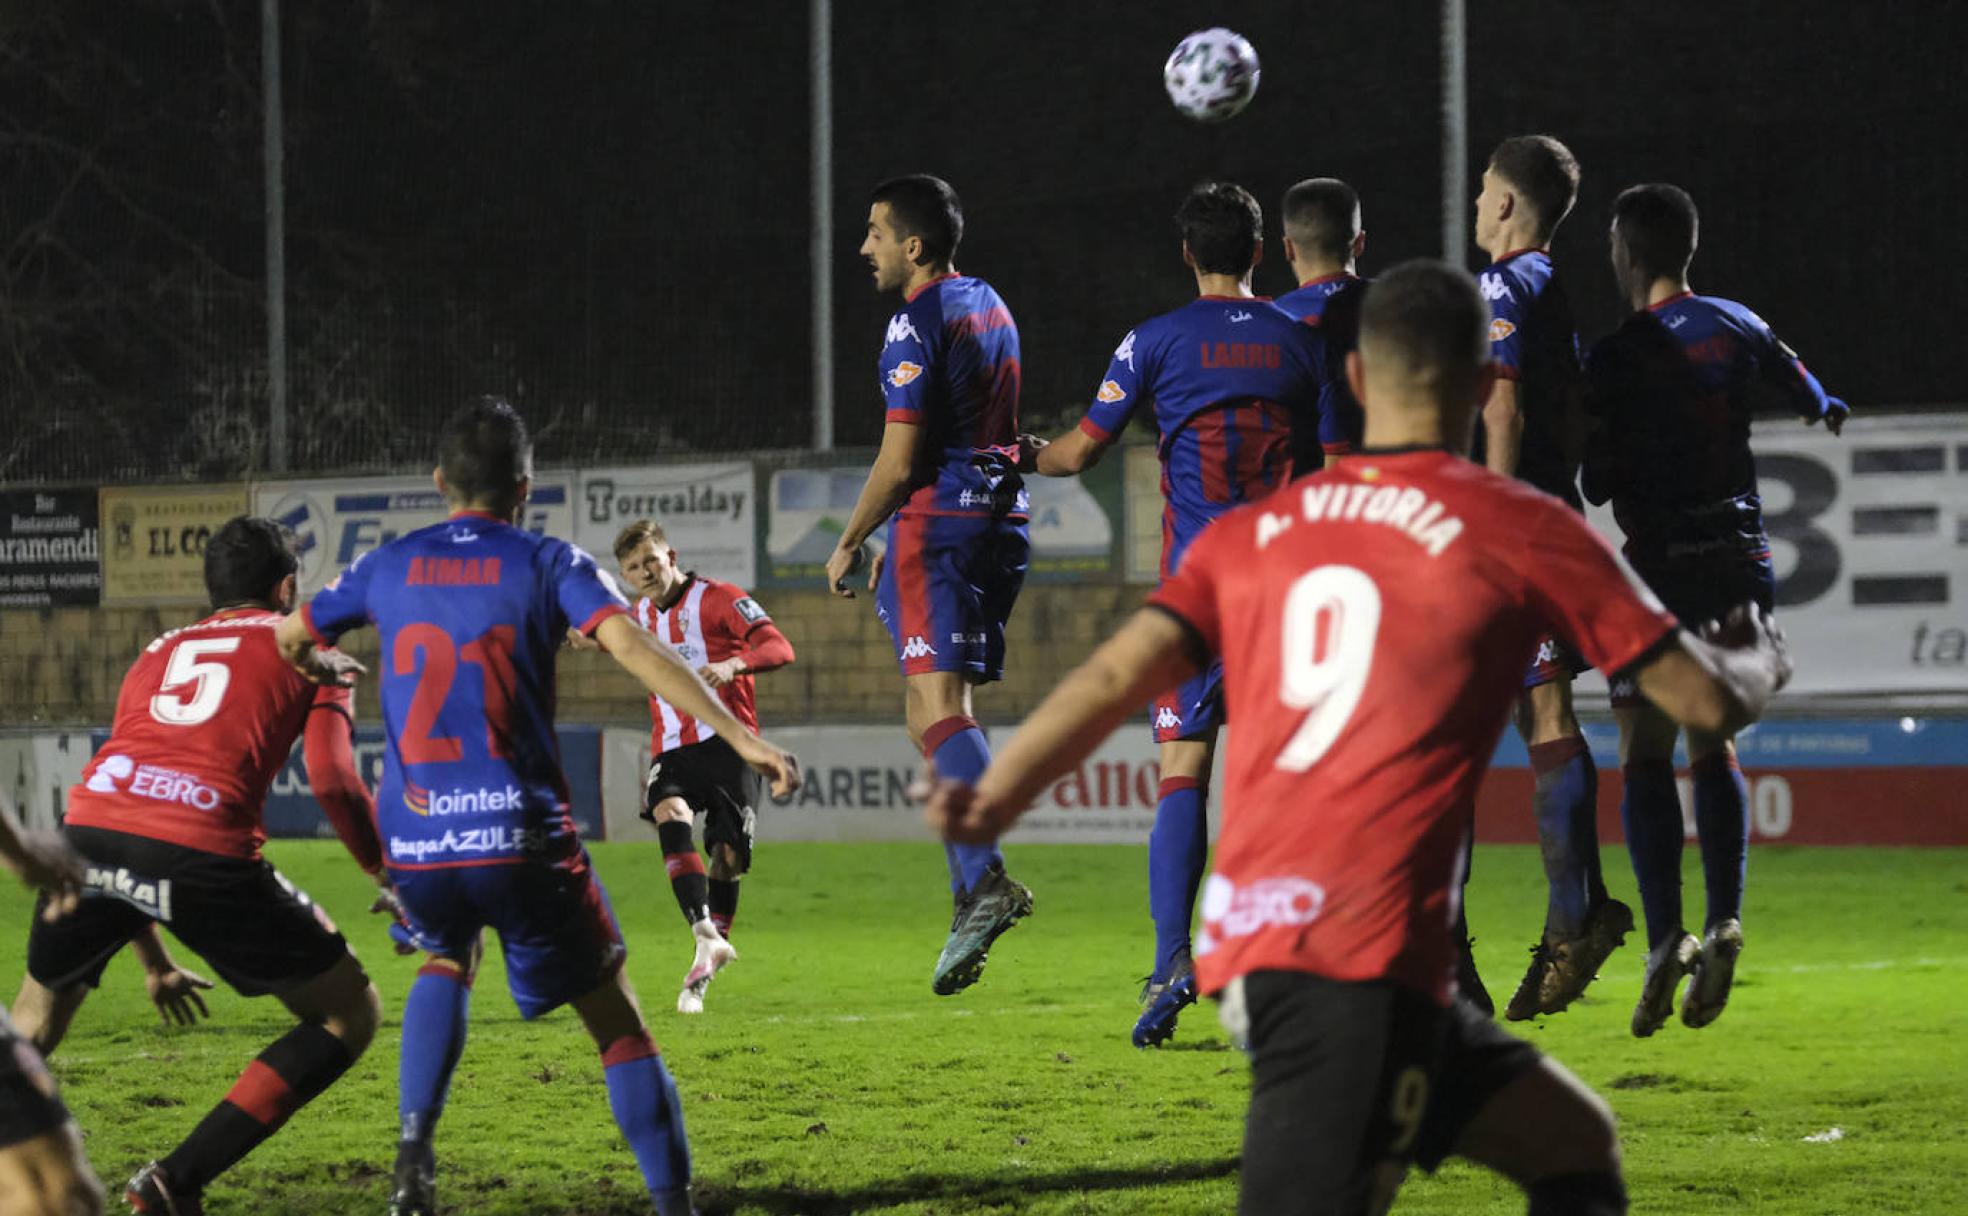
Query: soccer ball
(1211, 75)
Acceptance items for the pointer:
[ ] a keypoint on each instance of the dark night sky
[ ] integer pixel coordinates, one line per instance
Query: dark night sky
(603, 208)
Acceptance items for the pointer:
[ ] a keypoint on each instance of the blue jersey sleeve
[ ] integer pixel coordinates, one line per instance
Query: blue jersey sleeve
(586, 593)
(1119, 393)
(343, 604)
(1781, 372)
(1506, 323)
(907, 370)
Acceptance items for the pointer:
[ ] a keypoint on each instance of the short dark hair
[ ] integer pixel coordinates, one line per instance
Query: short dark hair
(1430, 318)
(485, 452)
(1222, 224)
(641, 530)
(1544, 172)
(1659, 225)
(246, 559)
(924, 207)
(1322, 214)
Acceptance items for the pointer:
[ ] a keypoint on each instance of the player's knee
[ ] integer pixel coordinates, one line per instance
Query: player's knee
(673, 810)
(1587, 1139)
(82, 1195)
(725, 865)
(354, 1015)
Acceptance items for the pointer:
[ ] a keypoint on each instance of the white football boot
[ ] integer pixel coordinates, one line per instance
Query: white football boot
(713, 954)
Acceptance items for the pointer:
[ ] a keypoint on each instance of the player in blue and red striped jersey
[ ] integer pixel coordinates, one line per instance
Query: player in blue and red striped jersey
(1532, 428)
(473, 806)
(1323, 243)
(947, 483)
(1231, 379)
(1672, 391)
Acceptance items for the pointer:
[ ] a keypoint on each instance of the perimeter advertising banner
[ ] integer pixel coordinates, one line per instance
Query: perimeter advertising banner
(339, 520)
(1076, 523)
(154, 550)
(50, 552)
(708, 511)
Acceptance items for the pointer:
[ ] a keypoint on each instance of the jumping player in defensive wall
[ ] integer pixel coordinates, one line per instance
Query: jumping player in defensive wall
(726, 636)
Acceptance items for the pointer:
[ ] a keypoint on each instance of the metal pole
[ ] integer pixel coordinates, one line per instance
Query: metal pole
(820, 239)
(1455, 133)
(276, 238)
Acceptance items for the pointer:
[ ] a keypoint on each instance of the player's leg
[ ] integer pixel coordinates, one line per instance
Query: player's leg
(730, 791)
(1550, 1134)
(436, 1019)
(674, 820)
(641, 1094)
(937, 707)
(43, 1171)
(1178, 850)
(263, 936)
(1650, 809)
(1722, 823)
(726, 874)
(66, 956)
(42, 1015)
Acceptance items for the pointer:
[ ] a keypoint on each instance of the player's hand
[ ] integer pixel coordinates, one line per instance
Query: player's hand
(1748, 627)
(953, 810)
(777, 765)
(576, 640)
(175, 993)
(841, 563)
(875, 569)
(46, 861)
(717, 675)
(1836, 412)
(386, 903)
(1028, 452)
(330, 667)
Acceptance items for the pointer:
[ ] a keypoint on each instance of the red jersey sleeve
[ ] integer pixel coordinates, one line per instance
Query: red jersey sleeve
(327, 747)
(1190, 594)
(1588, 595)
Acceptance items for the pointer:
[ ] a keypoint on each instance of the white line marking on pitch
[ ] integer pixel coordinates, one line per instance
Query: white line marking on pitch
(1884, 964)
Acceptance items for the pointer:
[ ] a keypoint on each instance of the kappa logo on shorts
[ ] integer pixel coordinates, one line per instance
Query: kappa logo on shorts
(1501, 329)
(904, 372)
(1110, 391)
(1547, 651)
(917, 647)
(1233, 911)
(1167, 719)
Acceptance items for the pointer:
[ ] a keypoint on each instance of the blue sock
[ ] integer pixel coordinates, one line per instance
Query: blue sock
(1178, 850)
(1651, 811)
(1568, 830)
(435, 1016)
(956, 747)
(646, 1107)
(1722, 822)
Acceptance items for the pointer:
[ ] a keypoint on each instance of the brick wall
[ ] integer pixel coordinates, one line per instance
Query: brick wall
(62, 667)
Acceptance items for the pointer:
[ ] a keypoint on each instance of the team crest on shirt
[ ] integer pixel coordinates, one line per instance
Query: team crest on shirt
(904, 372)
(1501, 329)
(1110, 391)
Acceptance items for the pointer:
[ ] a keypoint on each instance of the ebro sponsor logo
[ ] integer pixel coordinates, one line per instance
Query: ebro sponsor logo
(120, 774)
(427, 803)
(1233, 911)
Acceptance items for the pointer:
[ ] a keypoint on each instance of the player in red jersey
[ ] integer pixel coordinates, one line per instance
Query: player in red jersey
(729, 639)
(1374, 621)
(43, 1171)
(168, 817)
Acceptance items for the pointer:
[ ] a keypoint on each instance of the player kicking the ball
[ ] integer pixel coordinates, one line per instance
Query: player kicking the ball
(168, 819)
(1672, 390)
(1374, 621)
(725, 634)
(1234, 386)
(473, 806)
(946, 481)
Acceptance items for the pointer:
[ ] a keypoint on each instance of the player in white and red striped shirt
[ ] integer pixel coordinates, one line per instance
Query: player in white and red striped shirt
(724, 633)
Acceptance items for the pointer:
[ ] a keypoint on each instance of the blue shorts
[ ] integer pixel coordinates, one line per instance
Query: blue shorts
(553, 919)
(946, 590)
(1192, 709)
(1698, 590)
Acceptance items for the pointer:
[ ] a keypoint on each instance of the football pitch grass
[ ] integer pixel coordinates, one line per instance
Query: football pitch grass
(826, 1078)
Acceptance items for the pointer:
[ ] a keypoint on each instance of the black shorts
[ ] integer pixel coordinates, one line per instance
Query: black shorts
(718, 786)
(1350, 1082)
(29, 1105)
(257, 930)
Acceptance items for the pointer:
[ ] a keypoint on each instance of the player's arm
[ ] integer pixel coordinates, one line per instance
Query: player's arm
(328, 749)
(306, 637)
(1783, 376)
(44, 860)
(173, 989)
(886, 489)
(665, 675)
(1153, 651)
(1503, 428)
(762, 647)
(1074, 452)
(1720, 683)
(1114, 402)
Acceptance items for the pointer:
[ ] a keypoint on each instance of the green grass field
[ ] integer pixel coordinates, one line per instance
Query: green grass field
(826, 1078)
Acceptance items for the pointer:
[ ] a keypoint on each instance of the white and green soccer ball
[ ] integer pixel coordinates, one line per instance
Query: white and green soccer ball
(1212, 74)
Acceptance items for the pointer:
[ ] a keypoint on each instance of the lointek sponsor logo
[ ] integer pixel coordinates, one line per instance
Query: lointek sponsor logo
(1233, 911)
(480, 801)
(120, 774)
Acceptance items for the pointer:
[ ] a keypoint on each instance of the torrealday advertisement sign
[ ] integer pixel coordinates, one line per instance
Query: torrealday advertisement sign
(706, 510)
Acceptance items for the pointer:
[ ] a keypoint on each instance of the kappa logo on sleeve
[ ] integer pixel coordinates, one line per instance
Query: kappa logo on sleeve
(904, 372)
(1493, 287)
(900, 327)
(1110, 392)
(1125, 352)
(1501, 329)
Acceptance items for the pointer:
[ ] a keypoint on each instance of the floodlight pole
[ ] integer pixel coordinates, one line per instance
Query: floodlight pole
(1455, 133)
(820, 238)
(276, 237)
